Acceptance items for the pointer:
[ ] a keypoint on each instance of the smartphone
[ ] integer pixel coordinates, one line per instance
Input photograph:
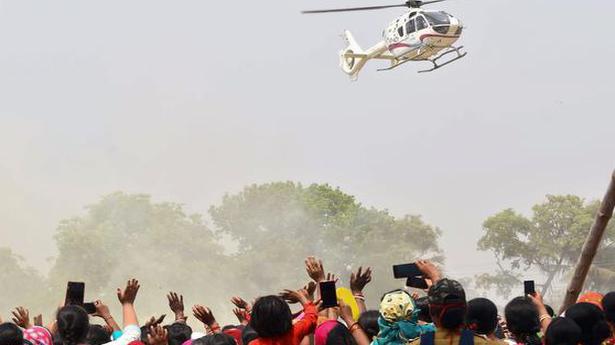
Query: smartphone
(417, 283)
(529, 287)
(90, 308)
(328, 294)
(75, 292)
(406, 271)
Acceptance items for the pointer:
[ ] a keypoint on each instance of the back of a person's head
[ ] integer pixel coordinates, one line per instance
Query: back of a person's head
(73, 325)
(447, 304)
(340, 335)
(179, 332)
(482, 316)
(422, 303)
(608, 305)
(594, 328)
(215, 339)
(522, 320)
(562, 331)
(98, 335)
(248, 334)
(271, 317)
(369, 323)
(10, 334)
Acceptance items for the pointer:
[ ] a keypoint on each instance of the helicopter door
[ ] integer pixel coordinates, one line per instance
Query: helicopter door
(421, 23)
(412, 38)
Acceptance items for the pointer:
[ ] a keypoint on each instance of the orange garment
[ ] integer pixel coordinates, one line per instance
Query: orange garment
(300, 329)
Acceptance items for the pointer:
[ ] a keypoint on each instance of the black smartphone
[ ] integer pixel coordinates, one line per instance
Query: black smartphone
(529, 287)
(75, 292)
(328, 294)
(90, 308)
(417, 283)
(406, 271)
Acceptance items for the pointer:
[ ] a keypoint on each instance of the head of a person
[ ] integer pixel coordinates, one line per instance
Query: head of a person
(591, 320)
(482, 316)
(215, 339)
(340, 335)
(447, 304)
(562, 331)
(179, 332)
(271, 317)
(98, 335)
(248, 334)
(368, 321)
(10, 334)
(522, 320)
(235, 332)
(608, 305)
(422, 303)
(73, 325)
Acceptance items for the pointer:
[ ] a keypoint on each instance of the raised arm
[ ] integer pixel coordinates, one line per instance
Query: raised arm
(127, 299)
(176, 303)
(358, 281)
(543, 314)
(21, 317)
(102, 311)
(355, 329)
(206, 316)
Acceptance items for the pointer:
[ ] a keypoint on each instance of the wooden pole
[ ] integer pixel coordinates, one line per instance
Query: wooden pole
(605, 212)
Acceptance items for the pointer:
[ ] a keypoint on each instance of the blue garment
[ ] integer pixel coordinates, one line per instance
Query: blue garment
(400, 332)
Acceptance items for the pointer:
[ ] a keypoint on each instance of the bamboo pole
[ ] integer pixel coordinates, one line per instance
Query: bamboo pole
(605, 212)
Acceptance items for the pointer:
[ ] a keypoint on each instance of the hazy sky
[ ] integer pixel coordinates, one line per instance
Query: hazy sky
(187, 100)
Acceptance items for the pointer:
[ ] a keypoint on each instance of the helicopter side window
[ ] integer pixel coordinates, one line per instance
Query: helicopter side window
(421, 23)
(410, 28)
(400, 31)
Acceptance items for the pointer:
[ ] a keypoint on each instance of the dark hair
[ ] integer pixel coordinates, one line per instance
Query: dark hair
(179, 332)
(248, 334)
(10, 334)
(340, 335)
(98, 335)
(562, 331)
(608, 304)
(215, 339)
(522, 320)
(594, 328)
(550, 310)
(144, 334)
(271, 317)
(423, 304)
(369, 323)
(73, 325)
(450, 316)
(482, 316)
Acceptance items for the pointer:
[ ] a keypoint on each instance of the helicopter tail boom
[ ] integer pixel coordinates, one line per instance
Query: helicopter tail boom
(353, 58)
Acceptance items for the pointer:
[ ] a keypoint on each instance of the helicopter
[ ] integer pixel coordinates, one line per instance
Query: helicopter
(417, 35)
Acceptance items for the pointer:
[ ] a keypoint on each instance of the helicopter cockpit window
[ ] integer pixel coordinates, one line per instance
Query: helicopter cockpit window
(437, 18)
(421, 23)
(410, 27)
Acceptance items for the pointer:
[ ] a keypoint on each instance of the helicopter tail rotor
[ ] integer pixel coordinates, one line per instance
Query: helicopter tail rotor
(351, 57)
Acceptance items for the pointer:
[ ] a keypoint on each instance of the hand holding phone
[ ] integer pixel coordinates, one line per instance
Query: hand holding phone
(417, 283)
(406, 271)
(529, 287)
(75, 292)
(328, 294)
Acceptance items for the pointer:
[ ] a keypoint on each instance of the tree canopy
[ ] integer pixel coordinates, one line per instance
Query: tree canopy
(549, 241)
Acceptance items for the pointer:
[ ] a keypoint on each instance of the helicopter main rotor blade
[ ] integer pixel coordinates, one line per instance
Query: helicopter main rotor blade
(355, 9)
(430, 2)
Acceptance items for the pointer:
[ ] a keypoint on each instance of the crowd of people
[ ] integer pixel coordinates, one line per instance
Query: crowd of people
(442, 316)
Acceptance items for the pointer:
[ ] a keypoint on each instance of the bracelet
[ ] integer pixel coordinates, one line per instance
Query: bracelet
(544, 317)
(354, 327)
(359, 297)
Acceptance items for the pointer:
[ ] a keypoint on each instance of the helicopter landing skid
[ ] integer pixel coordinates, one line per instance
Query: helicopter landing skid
(434, 61)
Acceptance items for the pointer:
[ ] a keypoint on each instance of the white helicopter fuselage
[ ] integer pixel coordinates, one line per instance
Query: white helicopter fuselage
(417, 35)
(420, 34)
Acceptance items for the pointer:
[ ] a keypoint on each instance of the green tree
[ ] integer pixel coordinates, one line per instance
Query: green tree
(20, 284)
(128, 235)
(277, 225)
(550, 241)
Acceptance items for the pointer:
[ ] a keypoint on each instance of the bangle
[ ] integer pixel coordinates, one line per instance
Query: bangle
(544, 317)
(354, 327)
(359, 297)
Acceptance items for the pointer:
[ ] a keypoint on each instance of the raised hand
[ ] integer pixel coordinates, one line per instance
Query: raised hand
(360, 279)
(204, 314)
(157, 335)
(430, 270)
(129, 294)
(21, 317)
(242, 316)
(332, 278)
(38, 320)
(299, 296)
(314, 269)
(310, 288)
(176, 303)
(346, 313)
(102, 310)
(240, 303)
